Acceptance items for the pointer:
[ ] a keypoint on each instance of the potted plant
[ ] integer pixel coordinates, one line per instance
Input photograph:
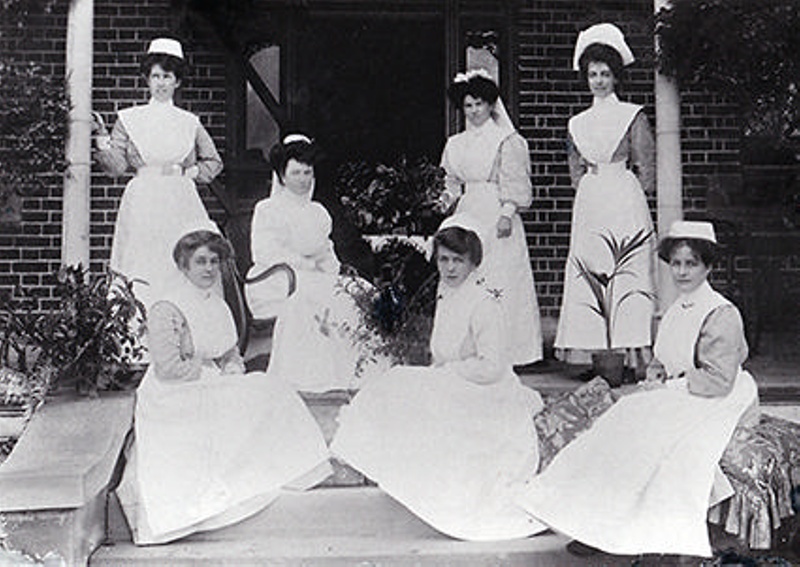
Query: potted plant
(608, 363)
(397, 199)
(83, 343)
(396, 310)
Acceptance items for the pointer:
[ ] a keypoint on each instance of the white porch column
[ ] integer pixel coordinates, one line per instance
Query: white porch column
(669, 184)
(77, 180)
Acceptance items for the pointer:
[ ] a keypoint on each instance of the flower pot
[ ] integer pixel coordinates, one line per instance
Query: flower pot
(610, 365)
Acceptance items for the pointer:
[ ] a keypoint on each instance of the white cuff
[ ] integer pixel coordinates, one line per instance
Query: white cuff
(508, 209)
(103, 142)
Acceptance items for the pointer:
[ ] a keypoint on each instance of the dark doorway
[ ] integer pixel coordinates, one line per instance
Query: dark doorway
(367, 88)
(370, 88)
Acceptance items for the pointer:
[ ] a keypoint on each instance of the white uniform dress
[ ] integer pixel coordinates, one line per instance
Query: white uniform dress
(449, 448)
(640, 480)
(210, 447)
(609, 200)
(490, 165)
(160, 141)
(311, 346)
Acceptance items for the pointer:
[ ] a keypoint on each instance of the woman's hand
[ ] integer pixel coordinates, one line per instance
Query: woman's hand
(655, 372)
(504, 227)
(98, 124)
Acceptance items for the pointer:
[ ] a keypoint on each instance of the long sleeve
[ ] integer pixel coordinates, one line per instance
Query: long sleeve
(453, 185)
(268, 239)
(485, 365)
(113, 156)
(206, 158)
(720, 350)
(170, 344)
(577, 165)
(643, 152)
(514, 174)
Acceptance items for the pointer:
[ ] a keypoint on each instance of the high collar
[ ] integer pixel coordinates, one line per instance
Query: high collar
(687, 300)
(158, 104)
(600, 102)
(478, 131)
(473, 281)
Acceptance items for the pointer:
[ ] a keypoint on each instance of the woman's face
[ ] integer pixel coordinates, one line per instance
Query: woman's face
(476, 110)
(298, 177)
(687, 268)
(202, 269)
(601, 79)
(162, 83)
(453, 267)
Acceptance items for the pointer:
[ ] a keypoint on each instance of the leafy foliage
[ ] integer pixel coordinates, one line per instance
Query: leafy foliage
(747, 50)
(602, 284)
(396, 311)
(33, 122)
(85, 342)
(402, 197)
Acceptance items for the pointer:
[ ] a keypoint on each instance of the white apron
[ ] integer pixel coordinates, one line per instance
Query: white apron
(156, 208)
(609, 200)
(210, 452)
(640, 480)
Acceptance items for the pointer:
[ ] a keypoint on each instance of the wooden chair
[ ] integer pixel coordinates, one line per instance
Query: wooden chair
(247, 325)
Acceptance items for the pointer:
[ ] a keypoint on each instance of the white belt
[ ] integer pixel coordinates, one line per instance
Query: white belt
(160, 170)
(598, 168)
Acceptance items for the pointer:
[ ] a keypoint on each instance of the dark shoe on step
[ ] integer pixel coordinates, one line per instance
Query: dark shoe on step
(581, 549)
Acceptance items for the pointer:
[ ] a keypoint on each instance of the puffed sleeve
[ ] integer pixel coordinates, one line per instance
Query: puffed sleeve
(643, 152)
(170, 344)
(268, 239)
(209, 164)
(453, 185)
(514, 174)
(486, 329)
(720, 350)
(112, 152)
(326, 261)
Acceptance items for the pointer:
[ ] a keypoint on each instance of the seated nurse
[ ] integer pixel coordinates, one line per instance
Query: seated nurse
(310, 348)
(642, 478)
(453, 441)
(213, 445)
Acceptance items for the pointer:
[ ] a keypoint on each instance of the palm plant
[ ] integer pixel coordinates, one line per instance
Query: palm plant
(602, 284)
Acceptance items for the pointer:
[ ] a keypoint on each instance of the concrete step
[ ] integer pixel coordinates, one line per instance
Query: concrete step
(356, 526)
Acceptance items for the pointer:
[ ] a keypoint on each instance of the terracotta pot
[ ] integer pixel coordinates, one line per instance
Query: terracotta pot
(610, 365)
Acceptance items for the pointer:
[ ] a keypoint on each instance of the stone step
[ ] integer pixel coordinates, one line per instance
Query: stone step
(356, 526)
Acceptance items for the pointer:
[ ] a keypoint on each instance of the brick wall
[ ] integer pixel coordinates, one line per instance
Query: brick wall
(123, 30)
(550, 92)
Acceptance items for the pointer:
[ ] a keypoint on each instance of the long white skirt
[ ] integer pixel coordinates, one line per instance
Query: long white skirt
(507, 268)
(154, 212)
(210, 452)
(610, 202)
(451, 451)
(640, 480)
(313, 346)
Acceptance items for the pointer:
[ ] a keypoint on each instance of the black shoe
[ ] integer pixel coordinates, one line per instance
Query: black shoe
(581, 549)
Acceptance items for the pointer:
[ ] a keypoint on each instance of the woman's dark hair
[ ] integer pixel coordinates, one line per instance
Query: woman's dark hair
(298, 150)
(477, 87)
(601, 53)
(461, 241)
(169, 63)
(706, 250)
(190, 242)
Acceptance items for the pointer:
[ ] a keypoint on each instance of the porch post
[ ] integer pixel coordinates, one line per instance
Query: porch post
(77, 180)
(668, 167)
